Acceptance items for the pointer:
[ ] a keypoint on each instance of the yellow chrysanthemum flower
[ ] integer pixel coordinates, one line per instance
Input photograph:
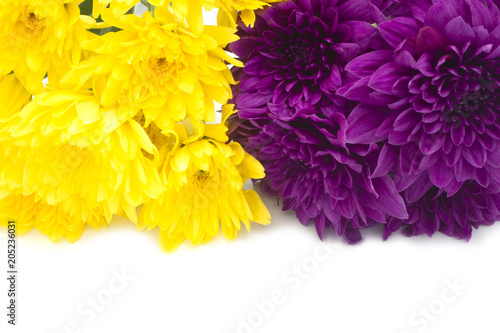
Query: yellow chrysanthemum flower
(67, 157)
(39, 37)
(31, 211)
(159, 66)
(204, 177)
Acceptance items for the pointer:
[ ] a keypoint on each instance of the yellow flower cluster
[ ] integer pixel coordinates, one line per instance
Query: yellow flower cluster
(123, 122)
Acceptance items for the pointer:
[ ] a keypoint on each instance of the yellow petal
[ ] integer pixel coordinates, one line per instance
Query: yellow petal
(170, 244)
(259, 211)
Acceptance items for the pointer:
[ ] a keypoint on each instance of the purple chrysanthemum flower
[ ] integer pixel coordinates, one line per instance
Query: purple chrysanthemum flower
(440, 78)
(431, 210)
(295, 54)
(292, 121)
(311, 169)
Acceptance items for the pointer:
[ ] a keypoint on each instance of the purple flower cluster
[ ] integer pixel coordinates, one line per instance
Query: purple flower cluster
(375, 111)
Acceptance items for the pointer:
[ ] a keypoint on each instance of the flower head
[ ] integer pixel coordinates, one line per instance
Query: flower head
(439, 78)
(309, 166)
(203, 179)
(295, 53)
(30, 210)
(74, 161)
(157, 65)
(39, 37)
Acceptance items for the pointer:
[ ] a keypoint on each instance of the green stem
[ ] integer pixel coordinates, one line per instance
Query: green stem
(151, 8)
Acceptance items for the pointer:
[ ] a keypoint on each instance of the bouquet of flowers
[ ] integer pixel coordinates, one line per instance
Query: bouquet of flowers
(351, 112)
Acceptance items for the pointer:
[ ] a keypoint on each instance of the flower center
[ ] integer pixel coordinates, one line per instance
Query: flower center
(471, 103)
(161, 70)
(206, 184)
(302, 52)
(159, 65)
(305, 56)
(203, 181)
(32, 21)
(302, 55)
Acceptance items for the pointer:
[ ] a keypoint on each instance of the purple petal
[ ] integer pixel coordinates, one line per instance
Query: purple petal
(360, 92)
(457, 134)
(244, 47)
(363, 123)
(251, 100)
(347, 207)
(389, 200)
(362, 33)
(459, 32)
(475, 155)
(368, 63)
(482, 15)
(440, 14)
(406, 120)
(463, 170)
(416, 190)
(441, 174)
(425, 64)
(387, 161)
(385, 77)
(396, 30)
(430, 39)
(430, 143)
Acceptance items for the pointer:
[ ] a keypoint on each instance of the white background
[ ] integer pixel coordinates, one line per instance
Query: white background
(231, 286)
(373, 287)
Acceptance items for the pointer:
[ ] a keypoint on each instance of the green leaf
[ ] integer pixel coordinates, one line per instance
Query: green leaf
(86, 8)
